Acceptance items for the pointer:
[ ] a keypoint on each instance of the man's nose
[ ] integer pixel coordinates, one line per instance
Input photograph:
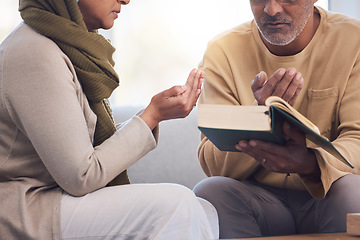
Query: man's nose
(272, 7)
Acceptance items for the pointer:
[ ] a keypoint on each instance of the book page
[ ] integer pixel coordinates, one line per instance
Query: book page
(234, 117)
(283, 105)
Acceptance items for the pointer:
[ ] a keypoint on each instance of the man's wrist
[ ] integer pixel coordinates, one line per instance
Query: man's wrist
(314, 172)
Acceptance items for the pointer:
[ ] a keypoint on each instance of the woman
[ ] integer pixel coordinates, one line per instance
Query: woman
(59, 147)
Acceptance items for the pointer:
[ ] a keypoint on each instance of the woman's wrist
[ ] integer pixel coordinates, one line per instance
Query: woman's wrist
(148, 117)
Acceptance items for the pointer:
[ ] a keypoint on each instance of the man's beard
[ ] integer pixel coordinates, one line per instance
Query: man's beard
(283, 39)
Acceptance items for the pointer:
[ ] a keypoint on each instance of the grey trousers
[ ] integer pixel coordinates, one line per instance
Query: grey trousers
(249, 209)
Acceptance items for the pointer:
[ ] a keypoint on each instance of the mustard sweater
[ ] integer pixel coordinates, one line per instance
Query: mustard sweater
(330, 98)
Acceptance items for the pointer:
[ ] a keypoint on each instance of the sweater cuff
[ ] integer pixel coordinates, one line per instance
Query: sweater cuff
(315, 186)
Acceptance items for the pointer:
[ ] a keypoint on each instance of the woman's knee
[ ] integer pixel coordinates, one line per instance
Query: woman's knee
(172, 197)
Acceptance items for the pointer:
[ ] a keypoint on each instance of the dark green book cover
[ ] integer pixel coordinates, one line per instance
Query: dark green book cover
(226, 139)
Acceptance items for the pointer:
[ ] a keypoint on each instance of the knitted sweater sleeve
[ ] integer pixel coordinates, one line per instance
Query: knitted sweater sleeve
(45, 101)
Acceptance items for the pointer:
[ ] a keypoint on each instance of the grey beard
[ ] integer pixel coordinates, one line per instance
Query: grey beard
(283, 42)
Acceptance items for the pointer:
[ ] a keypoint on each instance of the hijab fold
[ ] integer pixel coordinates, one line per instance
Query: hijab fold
(89, 52)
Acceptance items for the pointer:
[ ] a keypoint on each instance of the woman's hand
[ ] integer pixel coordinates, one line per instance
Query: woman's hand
(175, 102)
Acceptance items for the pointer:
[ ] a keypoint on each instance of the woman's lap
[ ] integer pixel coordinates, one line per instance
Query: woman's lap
(137, 211)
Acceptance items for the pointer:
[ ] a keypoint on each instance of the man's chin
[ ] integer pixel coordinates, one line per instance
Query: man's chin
(278, 40)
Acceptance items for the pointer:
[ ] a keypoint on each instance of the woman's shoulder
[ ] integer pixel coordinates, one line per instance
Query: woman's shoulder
(24, 43)
(25, 48)
(29, 57)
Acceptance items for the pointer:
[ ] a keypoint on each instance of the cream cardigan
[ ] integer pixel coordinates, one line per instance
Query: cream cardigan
(330, 98)
(46, 136)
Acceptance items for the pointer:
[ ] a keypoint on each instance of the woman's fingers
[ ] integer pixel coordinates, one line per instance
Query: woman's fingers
(194, 83)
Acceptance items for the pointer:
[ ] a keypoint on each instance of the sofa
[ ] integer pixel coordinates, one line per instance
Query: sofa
(174, 160)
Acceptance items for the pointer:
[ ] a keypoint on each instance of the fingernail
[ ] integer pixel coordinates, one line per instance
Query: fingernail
(252, 143)
(291, 72)
(241, 145)
(282, 72)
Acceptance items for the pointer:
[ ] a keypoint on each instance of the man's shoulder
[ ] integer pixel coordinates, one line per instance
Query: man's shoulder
(234, 35)
(337, 21)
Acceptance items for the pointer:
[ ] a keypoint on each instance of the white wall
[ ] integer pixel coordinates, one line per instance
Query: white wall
(348, 7)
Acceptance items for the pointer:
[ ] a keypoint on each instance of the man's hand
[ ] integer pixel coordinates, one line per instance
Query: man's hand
(286, 84)
(175, 102)
(293, 157)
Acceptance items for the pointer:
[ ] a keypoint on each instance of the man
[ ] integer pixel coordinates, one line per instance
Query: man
(310, 58)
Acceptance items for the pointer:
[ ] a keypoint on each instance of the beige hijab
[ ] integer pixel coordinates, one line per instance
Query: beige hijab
(90, 53)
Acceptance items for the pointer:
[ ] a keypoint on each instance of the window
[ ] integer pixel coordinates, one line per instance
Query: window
(158, 42)
(10, 17)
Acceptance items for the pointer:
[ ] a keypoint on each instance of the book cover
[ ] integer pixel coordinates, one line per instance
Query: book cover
(226, 125)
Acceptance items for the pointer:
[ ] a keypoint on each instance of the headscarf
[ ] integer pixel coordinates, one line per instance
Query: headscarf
(90, 53)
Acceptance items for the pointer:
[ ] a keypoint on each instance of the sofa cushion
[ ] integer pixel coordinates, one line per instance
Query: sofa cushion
(174, 160)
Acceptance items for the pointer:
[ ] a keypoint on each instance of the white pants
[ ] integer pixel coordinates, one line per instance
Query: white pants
(139, 212)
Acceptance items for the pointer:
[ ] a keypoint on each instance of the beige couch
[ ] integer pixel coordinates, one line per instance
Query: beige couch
(175, 158)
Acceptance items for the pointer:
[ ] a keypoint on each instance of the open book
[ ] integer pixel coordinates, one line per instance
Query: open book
(226, 125)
